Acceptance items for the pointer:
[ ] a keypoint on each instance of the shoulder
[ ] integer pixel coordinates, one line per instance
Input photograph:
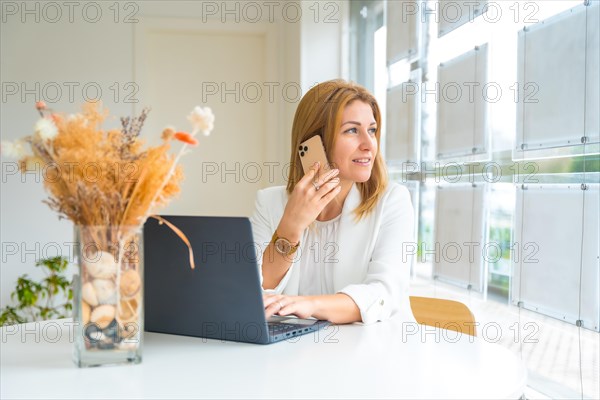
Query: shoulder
(273, 192)
(396, 194)
(395, 204)
(272, 196)
(395, 212)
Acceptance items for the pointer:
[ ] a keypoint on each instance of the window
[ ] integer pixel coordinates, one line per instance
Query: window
(491, 120)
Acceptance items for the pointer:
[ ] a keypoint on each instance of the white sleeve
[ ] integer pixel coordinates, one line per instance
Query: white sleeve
(388, 273)
(263, 227)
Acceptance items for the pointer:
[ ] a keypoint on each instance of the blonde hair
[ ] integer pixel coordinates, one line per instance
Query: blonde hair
(320, 113)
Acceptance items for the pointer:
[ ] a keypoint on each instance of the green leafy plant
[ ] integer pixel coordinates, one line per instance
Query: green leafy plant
(36, 300)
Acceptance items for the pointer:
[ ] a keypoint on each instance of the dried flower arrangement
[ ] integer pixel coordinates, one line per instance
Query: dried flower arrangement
(105, 178)
(108, 184)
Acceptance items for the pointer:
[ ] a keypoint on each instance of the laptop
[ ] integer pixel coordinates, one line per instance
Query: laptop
(222, 297)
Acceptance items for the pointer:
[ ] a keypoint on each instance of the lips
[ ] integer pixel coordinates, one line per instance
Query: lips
(362, 161)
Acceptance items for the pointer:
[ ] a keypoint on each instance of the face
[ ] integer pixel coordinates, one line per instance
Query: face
(356, 146)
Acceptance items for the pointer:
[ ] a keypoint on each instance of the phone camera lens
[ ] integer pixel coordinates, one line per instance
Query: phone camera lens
(301, 154)
(300, 148)
(305, 148)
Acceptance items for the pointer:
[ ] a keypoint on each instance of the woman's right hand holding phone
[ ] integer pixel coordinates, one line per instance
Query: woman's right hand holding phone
(310, 196)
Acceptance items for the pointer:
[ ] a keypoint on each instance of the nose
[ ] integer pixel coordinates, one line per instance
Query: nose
(367, 141)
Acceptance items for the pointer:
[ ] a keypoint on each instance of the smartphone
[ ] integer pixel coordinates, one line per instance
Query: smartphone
(311, 151)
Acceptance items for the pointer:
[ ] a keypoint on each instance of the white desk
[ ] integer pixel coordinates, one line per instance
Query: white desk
(342, 362)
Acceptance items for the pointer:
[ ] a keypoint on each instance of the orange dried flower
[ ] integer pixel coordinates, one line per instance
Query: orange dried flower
(167, 133)
(186, 138)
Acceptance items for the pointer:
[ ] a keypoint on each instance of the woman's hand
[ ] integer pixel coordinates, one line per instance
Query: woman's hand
(309, 197)
(300, 306)
(336, 308)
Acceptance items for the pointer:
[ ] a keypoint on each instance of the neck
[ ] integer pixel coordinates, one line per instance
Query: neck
(334, 208)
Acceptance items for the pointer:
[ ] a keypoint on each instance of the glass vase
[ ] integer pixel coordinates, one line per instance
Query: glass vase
(108, 295)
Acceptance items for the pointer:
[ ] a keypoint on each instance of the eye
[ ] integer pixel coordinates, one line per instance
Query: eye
(351, 130)
(372, 131)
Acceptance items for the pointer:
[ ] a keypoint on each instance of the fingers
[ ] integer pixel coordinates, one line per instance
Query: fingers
(299, 306)
(288, 305)
(288, 309)
(315, 168)
(280, 305)
(285, 306)
(328, 177)
(269, 299)
(331, 193)
(311, 194)
(273, 303)
(328, 186)
(314, 179)
(313, 173)
(270, 311)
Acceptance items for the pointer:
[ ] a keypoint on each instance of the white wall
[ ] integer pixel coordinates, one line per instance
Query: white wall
(321, 42)
(49, 56)
(65, 51)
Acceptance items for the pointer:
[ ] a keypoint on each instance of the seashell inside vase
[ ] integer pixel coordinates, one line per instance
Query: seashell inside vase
(130, 283)
(101, 264)
(106, 291)
(88, 294)
(128, 316)
(103, 315)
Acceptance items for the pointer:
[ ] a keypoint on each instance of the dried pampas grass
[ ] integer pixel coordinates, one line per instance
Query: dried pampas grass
(104, 178)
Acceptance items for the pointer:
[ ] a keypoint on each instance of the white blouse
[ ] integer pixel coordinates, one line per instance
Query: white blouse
(367, 259)
(318, 258)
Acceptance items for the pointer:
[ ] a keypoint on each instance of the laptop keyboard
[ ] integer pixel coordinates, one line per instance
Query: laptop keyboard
(276, 328)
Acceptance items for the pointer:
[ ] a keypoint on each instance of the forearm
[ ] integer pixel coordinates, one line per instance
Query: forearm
(274, 267)
(274, 264)
(337, 308)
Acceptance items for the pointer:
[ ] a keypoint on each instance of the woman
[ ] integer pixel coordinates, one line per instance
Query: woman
(339, 232)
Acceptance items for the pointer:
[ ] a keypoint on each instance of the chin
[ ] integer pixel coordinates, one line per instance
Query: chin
(354, 174)
(360, 178)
